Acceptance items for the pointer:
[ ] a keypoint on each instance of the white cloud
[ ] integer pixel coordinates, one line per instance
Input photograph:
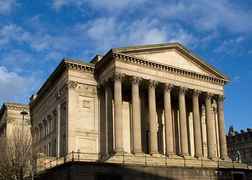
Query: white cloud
(230, 46)
(206, 15)
(110, 32)
(110, 5)
(14, 87)
(6, 6)
(11, 32)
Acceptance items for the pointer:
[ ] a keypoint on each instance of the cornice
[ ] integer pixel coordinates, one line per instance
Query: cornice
(170, 69)
(66, 64)
(79, 66)
(17, 107)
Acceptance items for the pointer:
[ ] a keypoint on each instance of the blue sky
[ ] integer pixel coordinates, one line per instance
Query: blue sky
(36, 35)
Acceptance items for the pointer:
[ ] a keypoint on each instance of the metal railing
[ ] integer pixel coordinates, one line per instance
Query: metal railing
(144, 160)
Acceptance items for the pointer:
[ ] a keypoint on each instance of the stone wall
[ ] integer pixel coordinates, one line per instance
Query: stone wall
(100, 171)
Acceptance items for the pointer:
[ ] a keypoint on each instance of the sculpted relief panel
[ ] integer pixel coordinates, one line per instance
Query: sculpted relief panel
(86, 113)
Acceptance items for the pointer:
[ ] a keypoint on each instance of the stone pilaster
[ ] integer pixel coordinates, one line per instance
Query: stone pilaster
(136, 115)
(210, 127)
(118, 113)
(183, 123)
(222, 136)
(108, 117)
(153, 126)
(58, 131)
(196, 125)
(168, 120)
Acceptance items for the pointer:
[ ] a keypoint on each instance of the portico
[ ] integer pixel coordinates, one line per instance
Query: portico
(166, 103)
(184, 96)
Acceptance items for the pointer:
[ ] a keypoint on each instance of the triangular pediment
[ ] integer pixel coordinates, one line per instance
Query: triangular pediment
(174, 55)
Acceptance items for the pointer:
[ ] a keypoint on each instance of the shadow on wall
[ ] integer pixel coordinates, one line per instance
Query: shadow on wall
(101, 171)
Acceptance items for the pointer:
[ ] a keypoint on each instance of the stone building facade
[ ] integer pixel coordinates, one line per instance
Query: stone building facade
(240, 145)
(157, 100)
(10, 117)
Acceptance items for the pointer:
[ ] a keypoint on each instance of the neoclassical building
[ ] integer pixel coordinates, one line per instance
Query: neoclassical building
(11, 117)
(156, 100)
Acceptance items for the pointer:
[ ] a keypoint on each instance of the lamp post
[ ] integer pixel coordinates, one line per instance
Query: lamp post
(23, 113)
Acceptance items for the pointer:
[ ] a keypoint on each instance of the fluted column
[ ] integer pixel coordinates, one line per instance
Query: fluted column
(196, 125)
(210, 128)
(118, 113)
(222, 136)
(183, 123)
(136, 115)
(153, 126)
(168, 120)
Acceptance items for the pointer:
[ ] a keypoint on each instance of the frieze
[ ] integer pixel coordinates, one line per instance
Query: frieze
(171, 69)
(17, 107)
(83, 88)
(80, 67)
(72, 84)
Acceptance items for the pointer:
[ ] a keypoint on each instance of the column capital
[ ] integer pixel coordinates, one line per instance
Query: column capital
(168, 86)
(182, 90)
(196, 92)
(152, 83)
(209, 95)
(135, 79)
(221, 97)
(118, 76)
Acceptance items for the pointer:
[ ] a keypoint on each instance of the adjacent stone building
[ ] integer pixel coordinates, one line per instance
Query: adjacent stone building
(240, 145)
(11, 116)
(142, 106)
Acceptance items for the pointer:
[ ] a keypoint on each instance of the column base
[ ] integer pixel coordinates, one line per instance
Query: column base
(173, 156)
(156, 155)
(184, 155)
(138, 154)
(225, 159)
(213, 158)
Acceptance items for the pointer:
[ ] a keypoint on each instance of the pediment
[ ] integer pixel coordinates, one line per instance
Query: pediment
(174, 55)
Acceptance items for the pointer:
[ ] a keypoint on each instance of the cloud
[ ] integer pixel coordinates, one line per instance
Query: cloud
(106, 33)
(14, 87)
(204, 15)
(230, 46)
(110, 5)
(11, 32)
(6, 6)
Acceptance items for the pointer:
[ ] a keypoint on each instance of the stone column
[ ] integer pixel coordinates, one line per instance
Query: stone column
(183, 123)
(210, 128)
(223, 143)
(153, 126)
(118, 113)
(196, 125)
(136, 116)
(109, 118)
(168, 120)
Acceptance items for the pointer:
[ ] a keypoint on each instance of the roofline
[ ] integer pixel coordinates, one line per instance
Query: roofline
(62, 66)
(161, 46)
(7, 105)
